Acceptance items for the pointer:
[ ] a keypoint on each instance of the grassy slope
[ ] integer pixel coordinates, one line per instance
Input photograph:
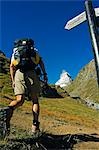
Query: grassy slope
(5, 86)
(64, 111)
(59, 117)
(85, 85)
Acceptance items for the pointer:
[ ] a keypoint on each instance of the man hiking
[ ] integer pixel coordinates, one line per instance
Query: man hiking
(25, 79)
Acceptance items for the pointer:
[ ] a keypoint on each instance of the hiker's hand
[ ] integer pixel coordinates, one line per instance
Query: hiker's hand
(13, 84)
(45, 78)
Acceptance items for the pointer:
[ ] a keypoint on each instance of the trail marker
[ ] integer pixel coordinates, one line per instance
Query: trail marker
(91, 15)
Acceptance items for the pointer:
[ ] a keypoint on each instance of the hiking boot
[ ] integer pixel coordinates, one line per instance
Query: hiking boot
(35, 127)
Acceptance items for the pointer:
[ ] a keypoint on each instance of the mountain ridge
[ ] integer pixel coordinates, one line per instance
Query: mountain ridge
(85, 84)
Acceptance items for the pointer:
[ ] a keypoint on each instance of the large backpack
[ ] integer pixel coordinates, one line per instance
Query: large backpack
(22, 53)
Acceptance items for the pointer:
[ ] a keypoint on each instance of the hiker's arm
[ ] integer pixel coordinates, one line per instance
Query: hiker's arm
(12, 72)
(42, 66)
(43, 70)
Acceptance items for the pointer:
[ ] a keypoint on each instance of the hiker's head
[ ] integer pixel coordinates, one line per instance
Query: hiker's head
(30, 42)
(24, 42)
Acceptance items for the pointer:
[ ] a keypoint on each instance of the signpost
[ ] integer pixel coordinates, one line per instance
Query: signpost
(94, 33)
(90, 15)
(79, 19)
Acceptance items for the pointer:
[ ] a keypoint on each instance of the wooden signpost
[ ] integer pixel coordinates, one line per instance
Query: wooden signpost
(92, 16)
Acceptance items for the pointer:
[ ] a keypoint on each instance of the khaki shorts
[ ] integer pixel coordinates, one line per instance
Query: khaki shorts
(27, 82)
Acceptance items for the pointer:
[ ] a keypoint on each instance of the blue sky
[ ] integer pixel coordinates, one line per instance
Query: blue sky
(44, 22)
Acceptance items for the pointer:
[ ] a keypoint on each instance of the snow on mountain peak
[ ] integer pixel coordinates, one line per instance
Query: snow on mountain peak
(64, 80)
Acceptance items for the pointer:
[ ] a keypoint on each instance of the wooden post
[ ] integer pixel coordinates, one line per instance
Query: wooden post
(94, 33)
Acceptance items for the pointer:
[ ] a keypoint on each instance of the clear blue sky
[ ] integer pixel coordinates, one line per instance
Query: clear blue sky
(44, 21)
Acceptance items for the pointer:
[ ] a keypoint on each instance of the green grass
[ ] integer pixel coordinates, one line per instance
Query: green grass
(6, 85)
(56, 114)
(69, 106)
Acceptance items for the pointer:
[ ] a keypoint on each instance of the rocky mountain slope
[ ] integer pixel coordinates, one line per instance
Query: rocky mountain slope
(5, 80)
(4, 63)
(85, 85)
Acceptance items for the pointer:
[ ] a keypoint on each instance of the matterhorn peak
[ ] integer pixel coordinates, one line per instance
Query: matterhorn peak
(64, 80)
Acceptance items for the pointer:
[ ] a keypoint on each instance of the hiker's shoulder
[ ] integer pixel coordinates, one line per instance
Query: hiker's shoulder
(37, 52)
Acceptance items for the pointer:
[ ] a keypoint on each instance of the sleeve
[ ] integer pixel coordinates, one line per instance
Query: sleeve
(14, 61)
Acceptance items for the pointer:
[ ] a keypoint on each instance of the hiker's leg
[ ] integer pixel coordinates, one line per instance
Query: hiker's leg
(18, 102)
(33, 86)
(19, 89)
(35, 110)
(13, 105)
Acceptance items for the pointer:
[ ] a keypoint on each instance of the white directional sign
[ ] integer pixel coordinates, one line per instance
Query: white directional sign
(78, 20)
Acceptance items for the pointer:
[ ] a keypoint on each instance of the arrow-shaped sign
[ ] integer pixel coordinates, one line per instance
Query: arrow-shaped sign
(79, 19)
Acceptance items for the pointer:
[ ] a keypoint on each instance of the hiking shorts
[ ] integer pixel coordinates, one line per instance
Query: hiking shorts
(27, 82)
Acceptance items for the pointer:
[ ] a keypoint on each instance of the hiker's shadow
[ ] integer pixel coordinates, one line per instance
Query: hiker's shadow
(63, 142)
(66, 141)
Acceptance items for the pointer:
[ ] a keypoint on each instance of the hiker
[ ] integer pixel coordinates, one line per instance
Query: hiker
(25, 73)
